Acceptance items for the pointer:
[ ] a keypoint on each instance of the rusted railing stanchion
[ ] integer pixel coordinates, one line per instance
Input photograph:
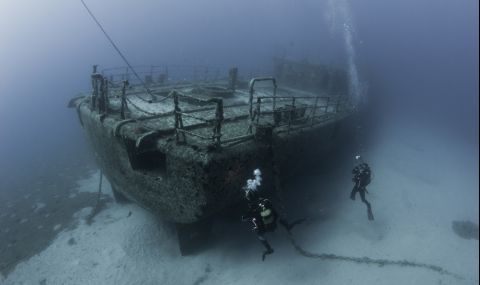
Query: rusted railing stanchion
(217, 130)
(105, 95)
(314, 110)
(101, 94)
(292, 113)
(250, 100)
(257, 112)
(99, 101)
(94, 76)
(124, 99)
(178, 119)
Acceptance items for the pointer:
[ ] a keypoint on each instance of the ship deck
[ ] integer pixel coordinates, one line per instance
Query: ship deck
(192, 111)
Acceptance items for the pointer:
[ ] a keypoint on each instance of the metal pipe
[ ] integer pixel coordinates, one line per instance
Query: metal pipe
(251, 91)
(194, 134)
(238, 138)
(193, 117)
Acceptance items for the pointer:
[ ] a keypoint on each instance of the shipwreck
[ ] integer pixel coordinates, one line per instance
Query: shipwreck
(181, 142)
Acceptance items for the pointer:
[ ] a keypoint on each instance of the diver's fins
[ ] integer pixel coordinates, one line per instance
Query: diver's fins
(352, 195)
(370, 214)
(266, 252)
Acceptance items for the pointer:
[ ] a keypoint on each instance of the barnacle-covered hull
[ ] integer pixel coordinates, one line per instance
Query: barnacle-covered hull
(185, 154)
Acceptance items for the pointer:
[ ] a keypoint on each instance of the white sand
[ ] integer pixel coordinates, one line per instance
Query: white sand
(38, 206)
(420, 186)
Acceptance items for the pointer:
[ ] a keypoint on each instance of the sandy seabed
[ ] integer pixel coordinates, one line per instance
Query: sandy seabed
(420, 186)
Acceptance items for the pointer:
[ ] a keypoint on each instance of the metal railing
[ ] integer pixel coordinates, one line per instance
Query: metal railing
(252, 91)
(164, 75)
(215, 123)
(299, 111)
(295, 112)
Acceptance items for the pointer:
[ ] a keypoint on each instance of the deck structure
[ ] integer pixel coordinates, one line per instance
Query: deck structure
(183, 149)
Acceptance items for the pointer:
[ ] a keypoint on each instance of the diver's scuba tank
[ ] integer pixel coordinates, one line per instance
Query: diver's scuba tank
(267, 214)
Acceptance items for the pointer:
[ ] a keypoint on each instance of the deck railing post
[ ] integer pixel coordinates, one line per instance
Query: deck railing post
(314, 109)
(250, 100)
(250, 103)
(105, 94)
(259, 102)
(98, 86)
(175, 112)
(101, 93)
(124, 99)
(178, 118)
(292, 113)
(217, 131)
(94, 88)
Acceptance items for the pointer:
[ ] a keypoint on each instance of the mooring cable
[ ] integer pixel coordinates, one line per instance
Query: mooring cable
(97, 207)
(120, 53)
(368, 260)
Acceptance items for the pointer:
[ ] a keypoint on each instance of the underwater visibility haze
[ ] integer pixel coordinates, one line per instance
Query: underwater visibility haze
(353, 125)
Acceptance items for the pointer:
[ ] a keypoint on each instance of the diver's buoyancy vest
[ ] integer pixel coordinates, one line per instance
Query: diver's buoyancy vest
(267, 215)
(365, 178)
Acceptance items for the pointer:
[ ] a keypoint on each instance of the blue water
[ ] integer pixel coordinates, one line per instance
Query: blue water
(415, 63)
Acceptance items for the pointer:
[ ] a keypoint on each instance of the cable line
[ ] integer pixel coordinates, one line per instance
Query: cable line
(120, 53)
(368, 260)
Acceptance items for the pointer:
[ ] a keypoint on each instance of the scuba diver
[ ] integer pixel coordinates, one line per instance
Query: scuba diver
(262, 214)
(362, 176)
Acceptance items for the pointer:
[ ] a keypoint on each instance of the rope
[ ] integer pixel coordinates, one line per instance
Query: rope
(120, 53)
(98, 205)
(370, 261)
(140, 109)
(145, 111)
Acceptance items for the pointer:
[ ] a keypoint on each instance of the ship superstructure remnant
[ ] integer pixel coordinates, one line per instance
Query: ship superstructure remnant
(181, 141)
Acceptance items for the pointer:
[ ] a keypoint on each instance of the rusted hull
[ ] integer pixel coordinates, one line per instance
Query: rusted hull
(183, 184)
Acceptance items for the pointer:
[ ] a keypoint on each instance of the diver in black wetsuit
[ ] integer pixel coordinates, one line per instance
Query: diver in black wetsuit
(362, 175)
(263, 217)
(261, 213)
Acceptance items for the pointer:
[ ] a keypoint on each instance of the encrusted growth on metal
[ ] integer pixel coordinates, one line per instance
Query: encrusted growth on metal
(185, 153)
